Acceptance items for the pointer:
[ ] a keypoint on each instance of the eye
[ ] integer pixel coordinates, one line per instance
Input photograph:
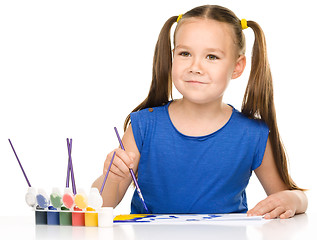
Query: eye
(212, 57)
(185, 54)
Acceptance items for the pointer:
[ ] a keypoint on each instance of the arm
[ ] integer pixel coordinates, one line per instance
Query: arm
(119, 177)
(281, 202)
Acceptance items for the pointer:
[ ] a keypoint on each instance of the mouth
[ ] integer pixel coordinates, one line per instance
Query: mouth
(195, 82)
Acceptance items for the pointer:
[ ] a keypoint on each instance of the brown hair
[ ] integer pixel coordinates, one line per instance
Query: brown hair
(258, 102)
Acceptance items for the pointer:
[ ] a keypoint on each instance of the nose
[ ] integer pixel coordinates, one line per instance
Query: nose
(195, 67)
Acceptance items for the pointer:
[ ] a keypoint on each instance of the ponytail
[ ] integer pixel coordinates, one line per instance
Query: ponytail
(161, 86)
(258, 101)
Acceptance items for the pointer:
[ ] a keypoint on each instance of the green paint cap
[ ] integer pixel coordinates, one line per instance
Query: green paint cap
(56, 198)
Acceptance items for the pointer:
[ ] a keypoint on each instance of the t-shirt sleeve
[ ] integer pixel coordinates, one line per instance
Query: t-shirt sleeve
(261, 146)
(138, 127)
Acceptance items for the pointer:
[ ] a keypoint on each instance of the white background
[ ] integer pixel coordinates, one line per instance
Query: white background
(77, 68)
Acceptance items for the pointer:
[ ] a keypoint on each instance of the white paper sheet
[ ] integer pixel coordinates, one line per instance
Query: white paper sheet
(183, 218)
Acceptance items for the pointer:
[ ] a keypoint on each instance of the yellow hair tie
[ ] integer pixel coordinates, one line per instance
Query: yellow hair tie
(244, 24)
(179, 17)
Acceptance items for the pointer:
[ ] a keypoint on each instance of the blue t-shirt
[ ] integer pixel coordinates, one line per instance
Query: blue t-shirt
(186, 174)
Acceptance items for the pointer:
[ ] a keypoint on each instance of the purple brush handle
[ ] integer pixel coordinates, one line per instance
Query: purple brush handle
(72, 168)
(68, 166)
(132, 173)
(119, 139)
(104, 181)
(26, 178)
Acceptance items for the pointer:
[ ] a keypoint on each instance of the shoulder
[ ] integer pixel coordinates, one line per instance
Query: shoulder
(144, 122)
(251, 124)
(251, 128)
(147, 113)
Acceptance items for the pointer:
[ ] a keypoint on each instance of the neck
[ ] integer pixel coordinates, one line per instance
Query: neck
(198, 119)
(202, 111)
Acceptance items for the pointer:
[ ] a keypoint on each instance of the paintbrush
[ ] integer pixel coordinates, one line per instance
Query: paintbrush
(30, 196)
(70, 168)
(132, 174)
(104, 181)
(26, 178)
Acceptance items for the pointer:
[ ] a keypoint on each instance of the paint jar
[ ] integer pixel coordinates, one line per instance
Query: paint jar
(40, 216)
(105, 217)
(78, 217)
(91, 217)
(52, 216)
(65, 217)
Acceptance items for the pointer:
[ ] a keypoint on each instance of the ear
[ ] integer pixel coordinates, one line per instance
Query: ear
(239, 68)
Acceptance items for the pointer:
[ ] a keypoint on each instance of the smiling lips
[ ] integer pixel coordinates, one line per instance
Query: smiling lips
(194, 81)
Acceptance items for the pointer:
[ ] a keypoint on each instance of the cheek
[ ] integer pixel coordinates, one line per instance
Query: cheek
(176, 77)
(175, 71)
(224, 74)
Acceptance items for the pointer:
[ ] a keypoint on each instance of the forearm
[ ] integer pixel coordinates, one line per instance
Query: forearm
(110, 193)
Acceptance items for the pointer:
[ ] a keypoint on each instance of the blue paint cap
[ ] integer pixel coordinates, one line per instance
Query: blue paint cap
(42, 199)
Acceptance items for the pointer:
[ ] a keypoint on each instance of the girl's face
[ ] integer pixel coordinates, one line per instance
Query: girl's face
(205, 59)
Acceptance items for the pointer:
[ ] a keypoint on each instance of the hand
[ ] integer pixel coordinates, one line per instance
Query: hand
(281, 204)
(119, 170)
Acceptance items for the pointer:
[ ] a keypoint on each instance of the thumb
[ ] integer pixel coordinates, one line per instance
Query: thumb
(132, 156)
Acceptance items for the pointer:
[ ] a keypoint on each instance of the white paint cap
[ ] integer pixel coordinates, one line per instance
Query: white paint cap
(56, 191)
(94, 199)
(30, 197)
(68, 190)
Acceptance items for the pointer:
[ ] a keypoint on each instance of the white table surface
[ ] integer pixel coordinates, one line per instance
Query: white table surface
(302, 227)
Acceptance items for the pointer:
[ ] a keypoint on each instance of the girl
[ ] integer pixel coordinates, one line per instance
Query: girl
(196, 154)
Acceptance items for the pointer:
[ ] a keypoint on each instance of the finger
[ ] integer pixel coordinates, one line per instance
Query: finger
(265, 206)
(256, 209)
(115, 170)
(288, 214)
(274, 213)
(121, 167)
(132, 158)
(115, 176)
(115, 167)
(114, 173)
(123, 155)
